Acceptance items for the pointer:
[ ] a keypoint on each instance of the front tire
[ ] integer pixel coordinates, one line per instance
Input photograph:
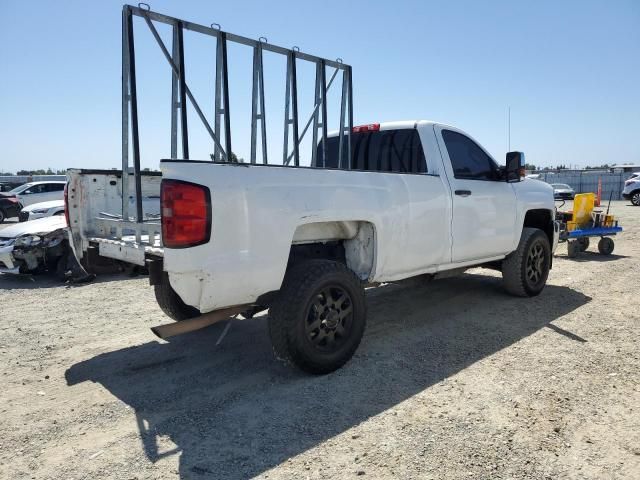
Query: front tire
(525, 271)
(2, 216)
(319, 316)
(171, 304)
(635, 198)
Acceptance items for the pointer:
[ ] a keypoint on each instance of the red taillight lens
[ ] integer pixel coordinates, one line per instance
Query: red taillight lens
(186, 214)
(66, 203)
(372, 127)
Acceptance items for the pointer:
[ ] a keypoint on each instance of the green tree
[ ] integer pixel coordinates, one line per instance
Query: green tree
(234, 158)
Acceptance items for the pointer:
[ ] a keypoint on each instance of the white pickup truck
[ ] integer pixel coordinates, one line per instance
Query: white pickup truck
(420, 198)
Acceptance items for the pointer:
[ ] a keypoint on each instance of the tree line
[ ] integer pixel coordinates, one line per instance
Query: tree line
(41, 171)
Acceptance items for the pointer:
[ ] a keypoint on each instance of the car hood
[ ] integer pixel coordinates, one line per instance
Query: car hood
(34, 227)
(41, 205)
(563, 189)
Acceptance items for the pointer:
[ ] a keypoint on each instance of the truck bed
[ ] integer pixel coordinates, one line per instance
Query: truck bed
(95, 215)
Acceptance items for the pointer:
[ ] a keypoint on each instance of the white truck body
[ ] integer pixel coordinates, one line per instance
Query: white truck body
(392, 225)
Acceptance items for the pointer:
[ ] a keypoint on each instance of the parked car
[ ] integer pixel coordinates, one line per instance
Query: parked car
(631, 189)
(35, 246)
(36, 192)
(562, 191)
(418, 199)
(42, 209)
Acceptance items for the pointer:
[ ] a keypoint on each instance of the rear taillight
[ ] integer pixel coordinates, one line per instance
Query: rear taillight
(186, 214)
(372, 127)
(66, 203)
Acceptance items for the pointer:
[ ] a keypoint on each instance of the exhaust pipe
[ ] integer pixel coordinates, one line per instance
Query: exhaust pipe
(178, 328)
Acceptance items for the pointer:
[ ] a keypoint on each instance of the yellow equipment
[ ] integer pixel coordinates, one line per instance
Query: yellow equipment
(583, 204)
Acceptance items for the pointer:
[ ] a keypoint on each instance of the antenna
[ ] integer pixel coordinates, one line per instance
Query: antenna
(509, 122)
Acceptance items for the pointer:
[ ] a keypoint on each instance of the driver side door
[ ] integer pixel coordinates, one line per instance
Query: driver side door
(483, 203)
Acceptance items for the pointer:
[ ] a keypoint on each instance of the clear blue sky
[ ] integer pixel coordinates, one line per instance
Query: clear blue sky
(570, 70)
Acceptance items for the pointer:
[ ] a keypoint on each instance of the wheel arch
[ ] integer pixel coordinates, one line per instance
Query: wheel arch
(352, 242)
(542, 219)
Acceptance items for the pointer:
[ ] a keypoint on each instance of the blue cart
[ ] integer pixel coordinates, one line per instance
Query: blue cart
(578, 240)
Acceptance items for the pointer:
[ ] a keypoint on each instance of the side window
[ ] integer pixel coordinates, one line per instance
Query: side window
(40, 188)
(398, 151)
(55, 187)
(468, 160)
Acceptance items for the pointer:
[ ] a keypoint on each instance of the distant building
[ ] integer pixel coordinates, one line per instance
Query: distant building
(624, 168)
(16, 180)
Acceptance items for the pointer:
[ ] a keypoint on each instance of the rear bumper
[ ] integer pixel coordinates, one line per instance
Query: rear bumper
(11, 210)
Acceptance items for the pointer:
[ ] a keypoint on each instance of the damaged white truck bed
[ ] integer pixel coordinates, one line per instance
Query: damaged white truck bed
(94, 199)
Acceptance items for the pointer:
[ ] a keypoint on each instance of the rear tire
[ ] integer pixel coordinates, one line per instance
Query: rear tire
(2, 216)
(319, 316)
(171, 304)
(525, 270)
(606, 246)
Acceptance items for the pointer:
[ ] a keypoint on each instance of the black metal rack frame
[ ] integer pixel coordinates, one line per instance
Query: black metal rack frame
(180, 92)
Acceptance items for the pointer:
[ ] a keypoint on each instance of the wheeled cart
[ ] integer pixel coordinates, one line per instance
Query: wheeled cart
(578, 240)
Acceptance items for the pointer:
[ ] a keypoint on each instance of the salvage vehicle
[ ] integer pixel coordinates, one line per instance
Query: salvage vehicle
(232, 239)
(42, 209)
(631, 189)
(562, 191)
(376, 203)
(35, 247)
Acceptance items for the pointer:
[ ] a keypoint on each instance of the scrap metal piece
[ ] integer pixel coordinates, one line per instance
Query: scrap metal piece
(178, 328)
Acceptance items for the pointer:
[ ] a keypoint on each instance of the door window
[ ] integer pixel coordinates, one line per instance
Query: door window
(55, 187)
(40, 188)
(468, 160)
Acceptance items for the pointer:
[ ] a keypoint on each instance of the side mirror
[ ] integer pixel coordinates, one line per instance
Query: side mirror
(514, 170)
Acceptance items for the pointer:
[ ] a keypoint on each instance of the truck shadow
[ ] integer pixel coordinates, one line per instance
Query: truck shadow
(234, 412)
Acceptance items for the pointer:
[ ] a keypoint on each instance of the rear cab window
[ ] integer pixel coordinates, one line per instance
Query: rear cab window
(390, 151)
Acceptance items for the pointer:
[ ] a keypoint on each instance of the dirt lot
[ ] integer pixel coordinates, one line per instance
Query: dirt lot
(454, 379)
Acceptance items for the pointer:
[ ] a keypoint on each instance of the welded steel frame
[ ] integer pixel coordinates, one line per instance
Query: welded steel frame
(222, 124)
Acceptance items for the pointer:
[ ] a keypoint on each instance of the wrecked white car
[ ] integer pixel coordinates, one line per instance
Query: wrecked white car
(35, 246)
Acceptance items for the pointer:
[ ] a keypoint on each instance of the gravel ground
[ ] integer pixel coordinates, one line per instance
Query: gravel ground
(453, 379)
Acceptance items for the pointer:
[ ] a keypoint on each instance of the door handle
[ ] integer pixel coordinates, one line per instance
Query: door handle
(463, 193)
